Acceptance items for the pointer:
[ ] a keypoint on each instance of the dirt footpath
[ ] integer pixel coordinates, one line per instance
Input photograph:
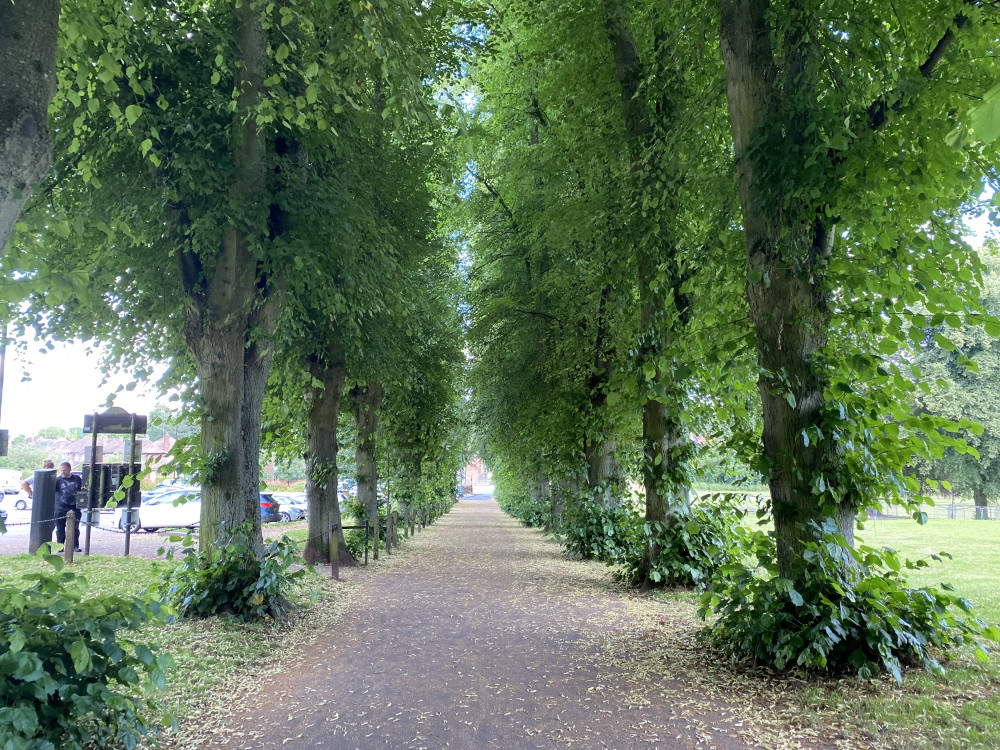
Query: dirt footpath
(481, 635)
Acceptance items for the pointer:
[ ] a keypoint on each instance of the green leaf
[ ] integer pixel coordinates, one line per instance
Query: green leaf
(132, 113)
(82, 661)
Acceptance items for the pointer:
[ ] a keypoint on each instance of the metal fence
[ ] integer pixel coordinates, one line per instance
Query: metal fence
(942, 510)
(951, 511)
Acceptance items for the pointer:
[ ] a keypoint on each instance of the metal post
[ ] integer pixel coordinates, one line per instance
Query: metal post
(335, 552)
(130, 491)
(91, 495)
(43, 508)
(368, 527)
(70, 536)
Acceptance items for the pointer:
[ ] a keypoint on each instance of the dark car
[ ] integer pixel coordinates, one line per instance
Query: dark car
(270, 509)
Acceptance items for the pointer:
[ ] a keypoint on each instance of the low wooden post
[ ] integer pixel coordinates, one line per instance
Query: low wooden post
(70, 537)
(388, 531)
(335, 553)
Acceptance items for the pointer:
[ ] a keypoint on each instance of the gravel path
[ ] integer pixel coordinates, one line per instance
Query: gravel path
(481, 635)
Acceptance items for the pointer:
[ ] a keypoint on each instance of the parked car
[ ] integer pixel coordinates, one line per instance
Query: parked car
(19, 501)
(179, 509)
(293, 505)
(270, 508)
(10, 481)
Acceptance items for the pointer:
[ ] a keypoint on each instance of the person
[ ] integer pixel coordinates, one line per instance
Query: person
(67, 485)
(26, 485)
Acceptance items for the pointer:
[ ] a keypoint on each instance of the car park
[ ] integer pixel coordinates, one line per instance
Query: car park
(293, 505)
(178, 509)
(181, 509)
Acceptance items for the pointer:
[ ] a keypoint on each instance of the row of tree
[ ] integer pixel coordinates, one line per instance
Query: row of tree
(248, 191)
(741, 220)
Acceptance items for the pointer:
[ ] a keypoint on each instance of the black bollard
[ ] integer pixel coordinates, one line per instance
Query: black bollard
(43, 509)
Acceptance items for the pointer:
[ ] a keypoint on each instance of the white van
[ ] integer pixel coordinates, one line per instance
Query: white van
(10, 481)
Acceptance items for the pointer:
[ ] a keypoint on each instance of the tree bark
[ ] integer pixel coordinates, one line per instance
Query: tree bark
(321, 466)
(366, 400)
(224, 303)
(787, 252)
(603, 473)
(664, 437)
(29, 34)
(982, 503)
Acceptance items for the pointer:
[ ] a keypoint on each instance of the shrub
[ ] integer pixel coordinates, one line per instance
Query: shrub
(68, 677)
(231, 580)
(611, 533)
(696, 547)
(526, 508)
(848, 610)
(357, 511)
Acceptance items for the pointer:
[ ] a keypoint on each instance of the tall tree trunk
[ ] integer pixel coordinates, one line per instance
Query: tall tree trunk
(789, 239)
(222, 307)
(218, 350)
(321, 465)
(29, 33)
(366, 400)
(557, 507)
(603, 475)
(982, 503)
(787, 252)
(664, 437)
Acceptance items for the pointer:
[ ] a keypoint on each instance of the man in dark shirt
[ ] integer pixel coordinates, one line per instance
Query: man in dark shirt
(67, 485)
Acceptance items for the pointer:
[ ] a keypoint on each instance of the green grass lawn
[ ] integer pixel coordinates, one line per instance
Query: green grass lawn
(974, 569)
(958, 711)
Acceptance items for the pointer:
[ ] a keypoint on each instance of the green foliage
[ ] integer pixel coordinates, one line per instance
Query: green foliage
(230, 579)
(697, 546)
(964, 390)
(68, 676)
(595, 531)
(359, 513)
(849, 610)
(23, 457)
(529, 509)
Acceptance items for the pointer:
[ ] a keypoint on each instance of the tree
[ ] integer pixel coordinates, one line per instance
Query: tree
(213, 127)
(967, 394)
(28, 44)
(837, 122)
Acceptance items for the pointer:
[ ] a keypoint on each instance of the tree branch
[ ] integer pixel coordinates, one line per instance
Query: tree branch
(878, 111)
(495, 193)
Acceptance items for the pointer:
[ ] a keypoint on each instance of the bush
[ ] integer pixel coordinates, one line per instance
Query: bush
(849, 610)
(696, 547)
(611, 533)
(529, 510)
(67, 675)
(232, 580)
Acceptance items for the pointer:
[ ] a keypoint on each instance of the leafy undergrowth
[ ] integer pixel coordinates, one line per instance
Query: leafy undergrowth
(214, 657)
